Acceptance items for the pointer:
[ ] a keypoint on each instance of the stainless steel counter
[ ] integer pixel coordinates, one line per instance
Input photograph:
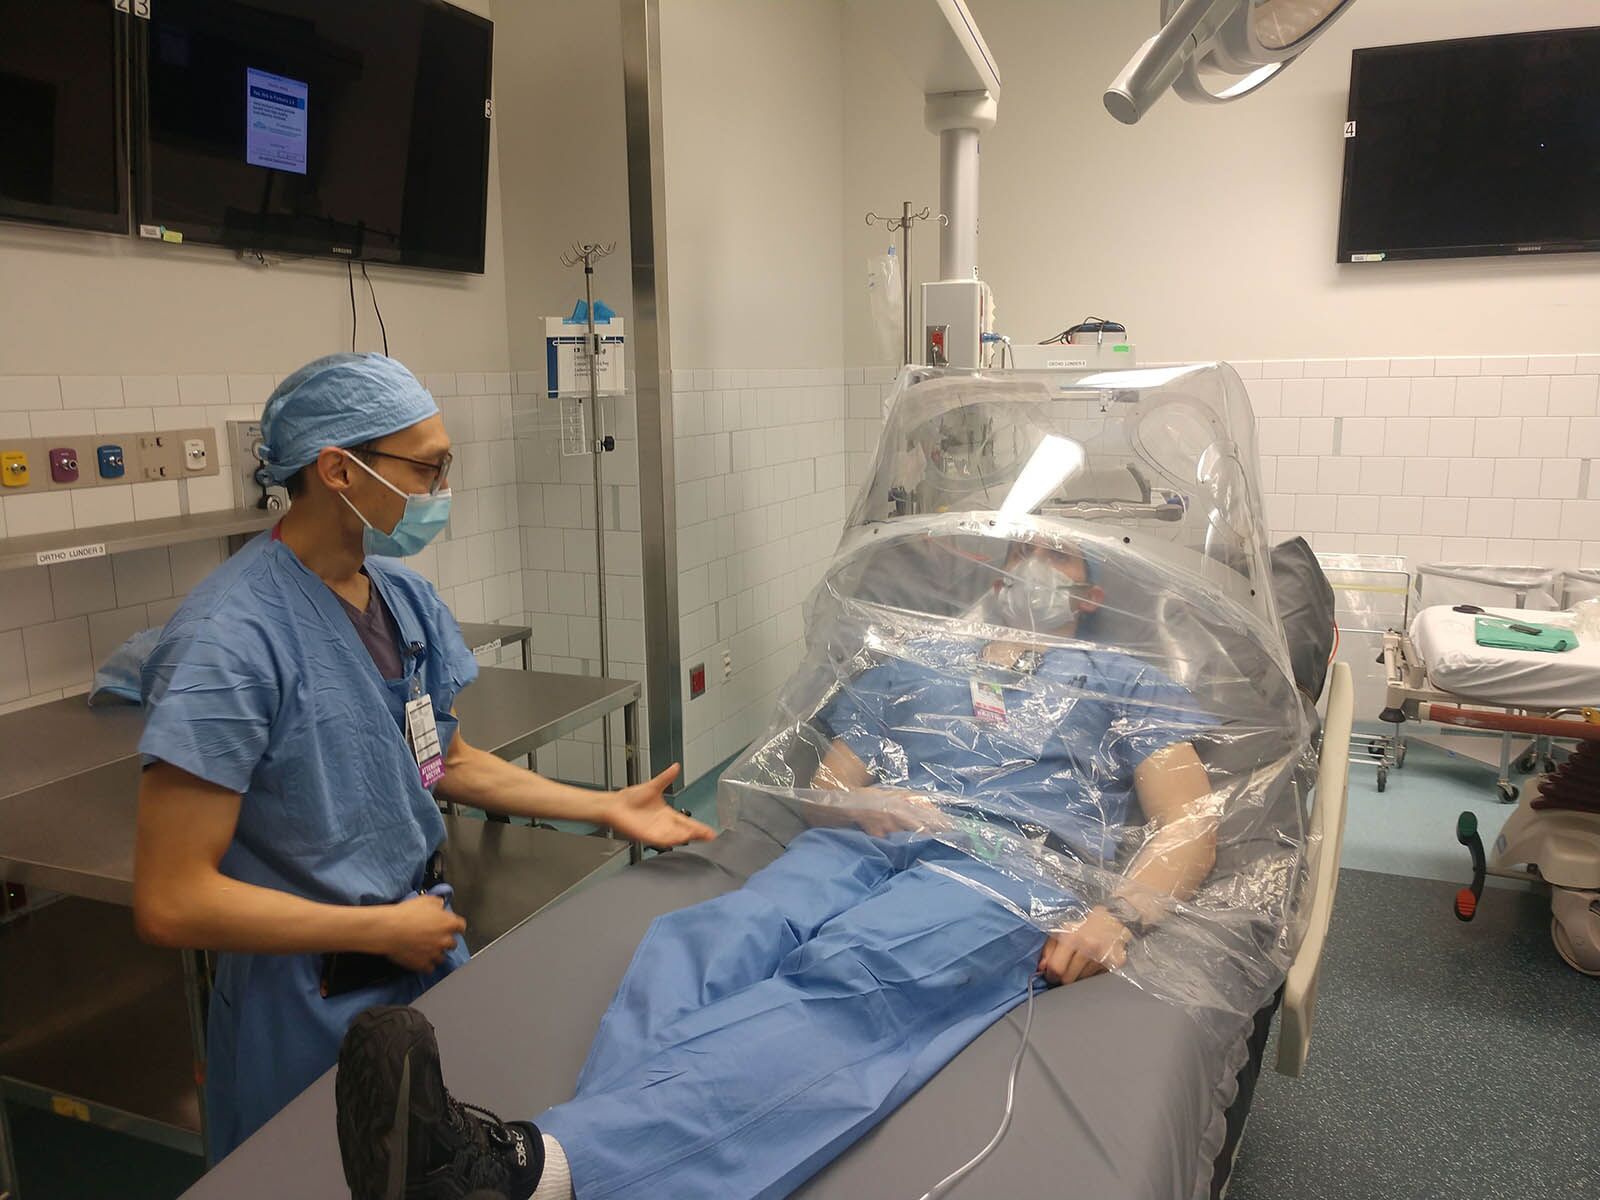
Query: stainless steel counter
(512, 713)
(68, 809)
(492, 637)
(76, 836)
(64, 738)
(53, 741)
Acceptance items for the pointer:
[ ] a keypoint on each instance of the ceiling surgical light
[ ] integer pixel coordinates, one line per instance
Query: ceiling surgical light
(1250, 41)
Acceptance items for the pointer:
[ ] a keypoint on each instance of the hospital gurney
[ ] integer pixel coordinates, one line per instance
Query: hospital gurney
(1436, 672)
(1142, 1108)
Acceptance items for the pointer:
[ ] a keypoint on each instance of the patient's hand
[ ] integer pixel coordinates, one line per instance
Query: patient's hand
(1097, 944)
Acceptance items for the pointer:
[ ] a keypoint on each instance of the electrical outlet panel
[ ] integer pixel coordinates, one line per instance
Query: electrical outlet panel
(63, 465)
(727, 665)
(113, 464)
(159, 457)
(13, 468)
(194, 455)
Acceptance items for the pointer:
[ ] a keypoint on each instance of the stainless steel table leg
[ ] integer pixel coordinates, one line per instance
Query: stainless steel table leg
(8, 1164)
(630, 757)
(197, 991)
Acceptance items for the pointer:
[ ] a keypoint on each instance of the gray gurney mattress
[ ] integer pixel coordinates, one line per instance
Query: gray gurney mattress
(1120, 1098)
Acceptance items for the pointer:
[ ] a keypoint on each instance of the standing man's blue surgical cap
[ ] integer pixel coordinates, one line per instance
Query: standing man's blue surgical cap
(340, 400)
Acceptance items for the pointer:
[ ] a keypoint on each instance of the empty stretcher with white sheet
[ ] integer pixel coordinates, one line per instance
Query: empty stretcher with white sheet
(1446, 641)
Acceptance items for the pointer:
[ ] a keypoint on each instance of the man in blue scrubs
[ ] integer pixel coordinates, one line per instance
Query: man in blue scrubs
(300, 727)
(758, 1035)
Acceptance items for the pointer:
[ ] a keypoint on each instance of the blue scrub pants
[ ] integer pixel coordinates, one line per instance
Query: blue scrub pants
(270, 1034)
(758, 1035)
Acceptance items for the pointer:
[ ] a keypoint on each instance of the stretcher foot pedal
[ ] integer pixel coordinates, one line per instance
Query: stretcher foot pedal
(1467, 898)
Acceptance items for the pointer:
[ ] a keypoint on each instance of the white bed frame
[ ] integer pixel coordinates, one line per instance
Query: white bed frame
(1326, 844)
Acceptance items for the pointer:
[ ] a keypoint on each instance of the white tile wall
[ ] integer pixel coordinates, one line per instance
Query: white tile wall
(1487, 459)
(765, 473)
(768, 464)
(56, 623)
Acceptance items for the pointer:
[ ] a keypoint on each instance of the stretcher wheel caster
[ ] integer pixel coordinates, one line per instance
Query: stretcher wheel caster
(1508, 792)
(1383, 778)
(1527, 763)
(1400, 755)
(1567, 951)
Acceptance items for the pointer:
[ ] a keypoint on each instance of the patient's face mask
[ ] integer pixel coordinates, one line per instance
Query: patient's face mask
(424, 516)
(1038, 597)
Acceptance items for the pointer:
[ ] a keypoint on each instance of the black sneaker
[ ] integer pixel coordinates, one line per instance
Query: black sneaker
(402, 1136)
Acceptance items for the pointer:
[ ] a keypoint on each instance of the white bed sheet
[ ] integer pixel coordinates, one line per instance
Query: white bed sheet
(1447, 642)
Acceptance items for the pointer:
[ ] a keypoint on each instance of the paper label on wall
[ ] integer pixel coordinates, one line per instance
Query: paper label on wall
(275, 121)
(70, 554)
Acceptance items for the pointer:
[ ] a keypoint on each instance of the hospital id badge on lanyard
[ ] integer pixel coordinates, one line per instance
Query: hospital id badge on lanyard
(988, 703)
(422, 735)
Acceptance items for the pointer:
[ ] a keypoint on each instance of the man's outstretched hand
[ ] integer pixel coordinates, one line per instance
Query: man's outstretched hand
(1097, 944)
(640, 813)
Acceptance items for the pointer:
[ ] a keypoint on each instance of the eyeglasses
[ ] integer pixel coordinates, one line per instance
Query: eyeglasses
(440, 469)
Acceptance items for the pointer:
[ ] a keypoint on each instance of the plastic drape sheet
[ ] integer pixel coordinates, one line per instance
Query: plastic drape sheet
(1048, 640)
(1485, 584)
(1577, 584)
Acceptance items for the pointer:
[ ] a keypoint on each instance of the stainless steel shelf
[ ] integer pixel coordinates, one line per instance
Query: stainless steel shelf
(134, 535)
(486, 637)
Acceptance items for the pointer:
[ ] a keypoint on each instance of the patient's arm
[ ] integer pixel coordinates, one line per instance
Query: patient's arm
(1175, 793)
(841, 769)
(884, 810)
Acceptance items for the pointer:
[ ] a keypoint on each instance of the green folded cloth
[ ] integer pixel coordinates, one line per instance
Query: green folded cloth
(1503, 635)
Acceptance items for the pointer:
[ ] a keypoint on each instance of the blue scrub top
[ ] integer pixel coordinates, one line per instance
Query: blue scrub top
(1062, 759)
(261, 685)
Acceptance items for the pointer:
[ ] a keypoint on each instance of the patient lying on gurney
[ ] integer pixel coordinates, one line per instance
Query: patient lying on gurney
(758, 1035)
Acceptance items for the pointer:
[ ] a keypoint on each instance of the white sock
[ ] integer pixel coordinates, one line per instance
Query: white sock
(556, 1181)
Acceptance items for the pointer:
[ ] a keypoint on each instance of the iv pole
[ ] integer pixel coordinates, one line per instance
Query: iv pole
(600, 443)
(902, 225)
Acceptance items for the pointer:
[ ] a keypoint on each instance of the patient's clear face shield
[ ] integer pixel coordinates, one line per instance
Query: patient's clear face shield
(1048, 640)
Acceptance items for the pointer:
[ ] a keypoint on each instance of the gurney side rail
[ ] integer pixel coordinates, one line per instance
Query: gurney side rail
(1327, 828)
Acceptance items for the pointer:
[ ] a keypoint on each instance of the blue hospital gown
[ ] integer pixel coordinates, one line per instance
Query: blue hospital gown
(757, 1036)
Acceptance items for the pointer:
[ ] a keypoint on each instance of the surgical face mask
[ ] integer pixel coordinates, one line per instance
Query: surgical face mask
(1036, 597)
(419, 524)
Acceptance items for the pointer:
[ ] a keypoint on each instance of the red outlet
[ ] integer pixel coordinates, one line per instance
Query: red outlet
(697, 680)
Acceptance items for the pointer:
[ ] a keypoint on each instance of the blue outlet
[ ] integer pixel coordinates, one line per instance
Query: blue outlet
(111, 462)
